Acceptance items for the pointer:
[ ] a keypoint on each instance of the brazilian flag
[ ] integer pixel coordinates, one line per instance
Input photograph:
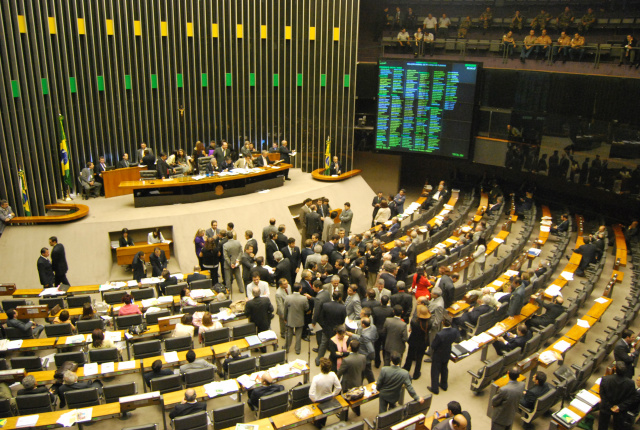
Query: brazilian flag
(327, 157)
(64, 155)
(25, 194)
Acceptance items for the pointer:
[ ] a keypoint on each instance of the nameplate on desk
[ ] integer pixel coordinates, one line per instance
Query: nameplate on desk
(168, 323)
(139, 400)
(7, 289)
(12, 374)
(35, 311)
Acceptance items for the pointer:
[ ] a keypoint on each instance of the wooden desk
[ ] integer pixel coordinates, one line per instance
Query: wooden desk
(221, 350)
(49, 419)
(36, 344)
(263, 424)
(125, 254)
(543, 236)
(425, 256)
(112, 179)
(493, 244)
(28, 293)
(288, 419)
(598, 309)
(204, 353)
(482, 207)
(319, 175)
(46, 377)
(75, 212)
(621, 245)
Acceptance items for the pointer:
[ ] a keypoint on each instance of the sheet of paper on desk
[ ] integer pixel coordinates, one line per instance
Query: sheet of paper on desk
(253, 340)
(68, 418)
(51, 292)
(90, 369)
(581, 406)
(496, 331)
(498, 240)
(450, 241)
(79, 338)
(588, 398)
(497, 283)
(106, 367)
(511, 273)
(132, 283)
(545, 222)
(547, 357)
(601, 300)
(127, 365)
(482, 338)
(14, 344)
(115, 336)
(583, 323)
(84, 414)
(27, 421)
(267, 335)
(552, 290)
(562, 345)
(469, 345)
(246, 381)
(147, 303)
(171, 357)
(567, 275)
(165, 299)
(545, 228)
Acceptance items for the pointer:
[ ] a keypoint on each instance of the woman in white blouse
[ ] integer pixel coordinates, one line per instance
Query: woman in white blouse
(324, 386)
(184, 327)
(155, 236)
(384, 213)
(479, 257)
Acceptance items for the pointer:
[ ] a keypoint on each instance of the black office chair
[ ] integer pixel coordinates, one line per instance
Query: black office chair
(228, 416)
(143, 293)
(299, 396)
(386, 419)
(214, 307)
(244, 330)
(202, 284)
(13, 303)
(52, 302)
(30, 364)
(341, 425)
(272, 404)
(82, 398)
(143, 427)
(148, 174)
(88, 326)
(414, 407)
(182, 343)
(13, 333)
(126, 321)
(197, 421)
(150, 348)
(34, 404)
(5, 408)
(174, 290)
(215, 337)
(77, 301)
(237, 368)
(113, 297)
(152, 317)
(3, 364)
(193, 309)
(75, 356)
(105, 355)
(195, 378)
(166, 384)
(112, 393)
(57, 330)
(270, 359)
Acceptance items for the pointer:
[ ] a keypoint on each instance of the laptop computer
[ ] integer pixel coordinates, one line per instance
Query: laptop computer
(329, 405)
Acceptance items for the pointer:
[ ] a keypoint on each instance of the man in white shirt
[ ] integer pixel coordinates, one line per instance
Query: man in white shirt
(419, 42)
(403, 40)
(430, 24)
(429, 38)
(443, 26)
(256, 282)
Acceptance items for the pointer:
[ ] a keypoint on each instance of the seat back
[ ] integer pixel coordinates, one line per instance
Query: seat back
(299, 396)
(55, 330)
(105, 355)
(88, 326)
(512, 357)
(5, 408)
(214, 307)
(152, 317)
(202, 284)
(52, 302)
(143, 427)
(77, 301)
(143, 293)
(387, 419)
(270, 359)
(126, 321)
(82, 398)
(113, 392)
(146, 349)
(166, 384)
(485, 321)
(13, 303)
(193, 309)
(182, 343)
(215, 337)
(34, 404)
(15, 333)
(584, 373)
(273, 404)
(30, 364)
(243, 330)
(531, 346)
(195, 378)
(113, 297)
(241, 367)
(488, 374)
(174, 290)
(228, 416)
(75, 356)
(358, 425)
(197, 421)
(546, 333)
(414, 407)
(560, 322)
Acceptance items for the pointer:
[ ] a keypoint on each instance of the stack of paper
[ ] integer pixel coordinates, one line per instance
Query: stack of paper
(171, 357)
(482, 338)
(147, 303)
(267, 335)
(165, 299)
(246, 381)
(561, 345)
(496, 330)
(201, 293)
(581, 406)
(568, 416)
(90, 369)
(126, 365)
(79, 338)
(51, 292)
(219, 388)
(115, 336)
(511, 273)
(547, 357)
(553, 290)
(469, 345)
(253, 340)
(27, 421)
(282, 370)
(588, 397)
(545, 228)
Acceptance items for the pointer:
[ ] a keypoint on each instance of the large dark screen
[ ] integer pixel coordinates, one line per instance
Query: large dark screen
(426, 106)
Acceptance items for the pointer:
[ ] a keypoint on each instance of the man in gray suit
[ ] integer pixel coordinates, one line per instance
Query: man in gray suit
(232, 251)
(271, 228)
(88, 182)
(295, 306)
(335, 285)
(221, 152)
(306, 209)
(390, 383)
(282, 292)
(352, 370)
(353, 303)
(323, 295)
(346, 217)
(314, 258)
(505, 402)
(194, 364)
(213, 231)
(381, 290)
(395, 333)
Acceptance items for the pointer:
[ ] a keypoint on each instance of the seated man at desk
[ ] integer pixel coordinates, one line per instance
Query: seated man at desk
(196, 275)
(534, 393)
(162, 167)
(554, 310)
(262, 160)
(473, 315)
(70, 383)
(194, 364)
(562, 227)
(512, 341)
(212, 167)
(27, 327)
(149, 160)
(233, 355)
(156, 372)
(227, 164)
(268, 387)
(125, 240)
(88, 182)
(29, 387)
(158, 262)
(168, 280)
(124, 163)
(189, 405)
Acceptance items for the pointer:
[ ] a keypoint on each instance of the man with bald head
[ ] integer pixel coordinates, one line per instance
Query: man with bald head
(189, 405)
(553, 311)
(259, 309)
(458, 422)
(268, 387)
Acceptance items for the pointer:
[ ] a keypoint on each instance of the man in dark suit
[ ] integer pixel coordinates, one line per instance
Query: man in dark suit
(333, 314)
(404, 266)
(330, 245)
(562, 227)
(395, 332)
(158, 261)
(334, 167)
(616, 393)
(189, 405)
(196, 275)
(352, 372)
(281, 239)
(517, 299)
(505, 402)
(101, 167)
(262, 160)
(88, 182)
(588, 252)
(271, 228)
(473, 315)
(271, 248)
(369, 300)
(58, 261)
(163, 169)
(376, 205)
(262, 271)
(168, 280)
(380, 315)
(357, 276)
(282, 268)
(323, 295)
(221, 153)
(248, 235)
(404, 299)
(285, 156)
(124, 163)
(623, 352)
(440, 356)
(410, 252)
(259, 311)
(149, 160)
(554, 310)
(305, 252)
(503, 345)
(314, 223)
(142, 152)
(267, 387)
(45, 269)
(538, 390)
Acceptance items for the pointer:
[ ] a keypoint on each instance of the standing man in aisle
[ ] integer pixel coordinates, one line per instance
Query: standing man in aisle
(505, 402)
(285, 157)
(58, 261)
(390, 382)
(232, 251)
(295, 306)
(45, 269)
(221, 153)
